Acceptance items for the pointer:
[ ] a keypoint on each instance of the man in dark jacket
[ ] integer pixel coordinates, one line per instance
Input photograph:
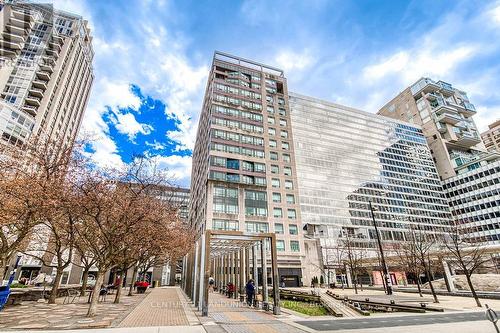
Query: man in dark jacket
(250, 289)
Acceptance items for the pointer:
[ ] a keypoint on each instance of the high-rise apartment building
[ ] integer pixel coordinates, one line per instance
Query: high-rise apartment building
(491, 137)
(469, 172)
(346, 159)
(244, 174)
(45, 71)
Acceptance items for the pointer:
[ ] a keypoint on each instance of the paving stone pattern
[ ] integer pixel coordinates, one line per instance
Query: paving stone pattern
(34, 315)
(162, 307)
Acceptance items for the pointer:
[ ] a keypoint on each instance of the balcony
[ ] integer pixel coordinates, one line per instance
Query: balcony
(439, 105)
(43, 75)
(7, 52)
(448, 118)
(23, 15)
(15, 30)
(446, 88)
(10, 44)
(30, 109)
(441, 128)
(424, 85)
(7, 36)
(36, 92)
(468, 109)
(54, 47)
(33, 101)
(58, 39)
(19, 23)
(40, 84)
(467, 139)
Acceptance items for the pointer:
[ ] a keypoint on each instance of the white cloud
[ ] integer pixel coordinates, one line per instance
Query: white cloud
(413, 64)
(494, 13)
(289, 60)
(128, 125)
(153, 58)
(179, 167)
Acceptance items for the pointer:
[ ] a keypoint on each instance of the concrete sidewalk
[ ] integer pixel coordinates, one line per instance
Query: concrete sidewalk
(162, 307)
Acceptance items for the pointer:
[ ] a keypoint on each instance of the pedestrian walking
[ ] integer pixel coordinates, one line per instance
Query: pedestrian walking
(250, 290)
(211, 283)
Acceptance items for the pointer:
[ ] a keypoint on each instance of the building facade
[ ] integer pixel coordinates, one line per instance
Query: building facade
(244, 176)
(45, 72)
(474, 198)
(491, 137)
(467, 169)
(346, 159)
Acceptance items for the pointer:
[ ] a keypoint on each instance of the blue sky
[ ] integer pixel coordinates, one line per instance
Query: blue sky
(152, 59)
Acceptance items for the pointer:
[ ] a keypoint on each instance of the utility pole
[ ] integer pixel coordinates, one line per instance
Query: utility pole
(382, 258)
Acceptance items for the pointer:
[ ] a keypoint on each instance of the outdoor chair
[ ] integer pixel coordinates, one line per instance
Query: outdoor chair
(71, 296)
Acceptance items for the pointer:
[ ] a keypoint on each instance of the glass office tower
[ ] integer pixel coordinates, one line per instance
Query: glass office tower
(346, 158)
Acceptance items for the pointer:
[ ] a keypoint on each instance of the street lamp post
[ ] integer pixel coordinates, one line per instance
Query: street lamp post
(382, 258)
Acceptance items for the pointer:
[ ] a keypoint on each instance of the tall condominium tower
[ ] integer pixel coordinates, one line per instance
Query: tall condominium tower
(469, 172)
(347, 159)
(491, 137)
(45, 72)
(243, 174)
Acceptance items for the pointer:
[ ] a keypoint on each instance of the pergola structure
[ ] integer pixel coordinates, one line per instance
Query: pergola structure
(231, 257)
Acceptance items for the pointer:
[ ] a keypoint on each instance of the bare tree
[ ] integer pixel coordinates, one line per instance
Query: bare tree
(407, 255)
(423, 244)
(468, 255)
(353, 256)
(32, 178)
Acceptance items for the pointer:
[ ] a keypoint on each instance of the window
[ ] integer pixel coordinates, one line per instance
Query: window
(225, 200)
(284, 134)
(288, 184)
(292, 214)
(273, 156)
(272, 143)
(255, 203)
(271, 131)
(277, 212)
(290, 199)
(282, 112)
(270, 110)
(278, 228)
(293, 230)
(217, 161)
(271, 121)
(287, 171)
(259, 167)
(275, 169)
(275, 183)
(280, 245)
(233, 164)
(286, 158)
(294, 246)
(283, 122)
(257, 227)
(225, 225)
(285, 145)
(276, 197)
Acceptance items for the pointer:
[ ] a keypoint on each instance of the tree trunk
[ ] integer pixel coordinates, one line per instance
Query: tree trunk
(430, 285)
(85, 277)
(55, 286)
(95, 294)
(3, 263)
(134, 276)
(354, 282)
(472, 290)
(418, 287)
(119, 288)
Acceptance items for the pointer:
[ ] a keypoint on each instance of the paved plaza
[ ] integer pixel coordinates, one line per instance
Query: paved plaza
(34, 315)
(168, 310)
